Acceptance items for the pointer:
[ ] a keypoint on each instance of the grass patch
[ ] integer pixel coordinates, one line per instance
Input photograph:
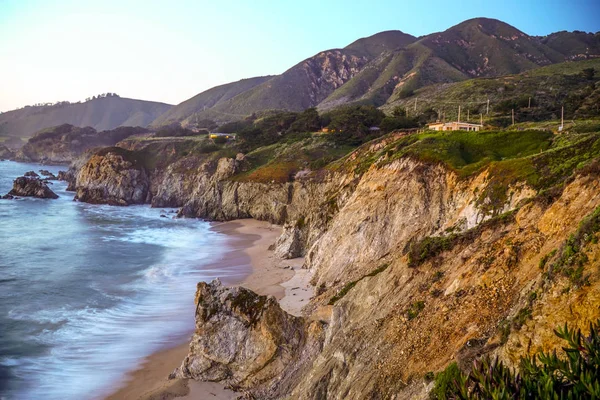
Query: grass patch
(415, 309)
(445, 382)
(571, 258)
(432, 246)
(348, 286)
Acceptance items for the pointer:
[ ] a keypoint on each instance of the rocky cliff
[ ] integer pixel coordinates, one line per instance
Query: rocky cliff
(112, 176)
(6, 153)
(425, 249)
(63, 144)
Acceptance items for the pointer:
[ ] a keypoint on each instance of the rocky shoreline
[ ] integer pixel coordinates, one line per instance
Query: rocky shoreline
(268, 274)
(411, 262)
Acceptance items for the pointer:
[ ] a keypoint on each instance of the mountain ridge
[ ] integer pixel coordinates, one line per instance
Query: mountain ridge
(390, 65)
(103, 113)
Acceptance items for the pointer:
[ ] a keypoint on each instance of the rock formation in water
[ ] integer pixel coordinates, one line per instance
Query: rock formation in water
(246, 341)
(48, 175)
(113, 176)
(31, 187)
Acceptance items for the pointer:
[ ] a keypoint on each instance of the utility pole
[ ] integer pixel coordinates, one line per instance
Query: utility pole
(487, 109)
(416, 105)
(480, 119)
(529, 105)
(468, 114)
(513, 116)
(562, 118)
(459, 114)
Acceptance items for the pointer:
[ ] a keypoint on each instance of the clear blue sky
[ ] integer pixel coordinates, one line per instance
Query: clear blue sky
(171, 50)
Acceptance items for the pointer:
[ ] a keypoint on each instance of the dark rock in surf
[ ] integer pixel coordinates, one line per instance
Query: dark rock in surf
(49, 175)
(31, 187)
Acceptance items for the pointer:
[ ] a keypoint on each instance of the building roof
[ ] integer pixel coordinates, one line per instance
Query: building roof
(454, 123)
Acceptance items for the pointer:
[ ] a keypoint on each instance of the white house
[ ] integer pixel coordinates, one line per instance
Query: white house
(454, 126)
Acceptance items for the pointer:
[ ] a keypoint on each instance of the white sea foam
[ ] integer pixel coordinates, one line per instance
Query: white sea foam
(100, 320)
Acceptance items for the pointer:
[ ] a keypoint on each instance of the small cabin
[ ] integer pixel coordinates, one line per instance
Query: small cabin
(455, 126)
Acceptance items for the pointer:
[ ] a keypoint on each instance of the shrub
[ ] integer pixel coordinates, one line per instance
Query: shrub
(350, 285)
(576, 375)
(415, 309)
(571, 256)
(445, 382)
(220, 140)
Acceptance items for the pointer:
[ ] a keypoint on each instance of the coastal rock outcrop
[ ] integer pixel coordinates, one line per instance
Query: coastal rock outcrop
(112, 176)
(414, 262)
(48, 175)
(64, 143)
(6, 153)
(247, 341)
(31, 187)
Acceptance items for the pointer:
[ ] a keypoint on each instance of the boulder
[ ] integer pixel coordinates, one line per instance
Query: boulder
(244, 340)
(31, 187)
(31, 174)
(113, 177)
(290, 243)
(49, 175)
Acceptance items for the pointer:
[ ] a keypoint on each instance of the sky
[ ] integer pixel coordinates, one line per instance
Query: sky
(168, 51)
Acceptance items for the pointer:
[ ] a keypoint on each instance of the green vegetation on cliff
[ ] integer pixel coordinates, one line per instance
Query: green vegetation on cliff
(573, 375)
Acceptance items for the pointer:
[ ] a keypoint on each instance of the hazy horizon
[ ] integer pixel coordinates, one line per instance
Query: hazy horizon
(67, 51)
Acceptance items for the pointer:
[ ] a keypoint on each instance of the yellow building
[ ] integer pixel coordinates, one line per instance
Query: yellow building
(225, 135)
(454, 126)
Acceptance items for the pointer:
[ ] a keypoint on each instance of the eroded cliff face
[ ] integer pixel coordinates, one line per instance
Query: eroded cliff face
(110, 178)
(415, 267)
(484, 294)
(64, 143)
(247, 341)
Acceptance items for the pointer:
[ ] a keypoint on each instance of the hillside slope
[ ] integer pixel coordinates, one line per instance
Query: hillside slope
(534, 95)
(391, 65)
(101, 114)
(207, 99)
(302, 86)
(425, 249)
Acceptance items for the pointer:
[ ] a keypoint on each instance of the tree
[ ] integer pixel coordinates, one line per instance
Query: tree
(234, 127)
(350, 125)
(307, 121)
(399, 112)
(588, 73)
(389, 124)
(206, 124)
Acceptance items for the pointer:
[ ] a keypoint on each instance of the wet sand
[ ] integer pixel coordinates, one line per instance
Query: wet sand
(268, 275)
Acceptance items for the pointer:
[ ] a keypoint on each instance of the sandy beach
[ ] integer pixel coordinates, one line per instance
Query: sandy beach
(268, 275)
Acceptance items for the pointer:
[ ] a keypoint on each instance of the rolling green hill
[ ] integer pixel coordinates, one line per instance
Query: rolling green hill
(103, 113)
(549, 88)
(390, 66)
(304, 85)
(207, 99)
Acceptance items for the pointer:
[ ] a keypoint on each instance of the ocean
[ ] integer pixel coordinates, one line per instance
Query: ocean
(87, 291)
